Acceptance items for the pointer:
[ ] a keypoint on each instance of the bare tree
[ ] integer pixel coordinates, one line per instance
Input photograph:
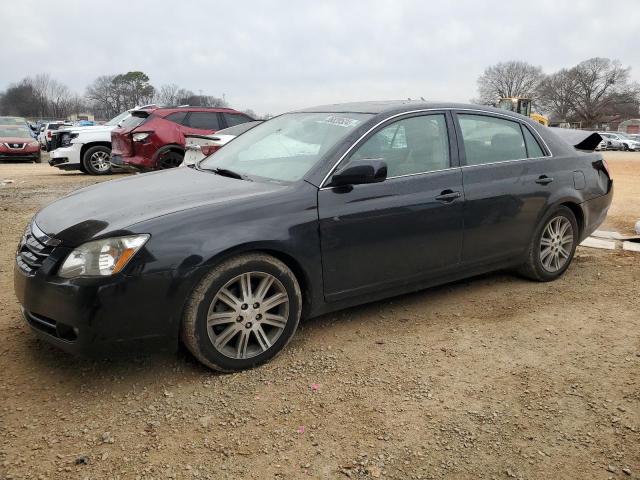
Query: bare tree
(509, 79)
(599, 83)
(102, 97)
(167, 94)
(556, 94)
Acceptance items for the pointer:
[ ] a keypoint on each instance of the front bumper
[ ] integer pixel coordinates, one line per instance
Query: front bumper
(131, 164)
(20, 156)
(100, 316)
(66, 158)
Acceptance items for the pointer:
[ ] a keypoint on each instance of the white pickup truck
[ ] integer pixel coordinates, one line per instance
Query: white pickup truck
(87, 149)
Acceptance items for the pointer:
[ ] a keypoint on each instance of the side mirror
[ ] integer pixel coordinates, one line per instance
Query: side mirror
(357, 172)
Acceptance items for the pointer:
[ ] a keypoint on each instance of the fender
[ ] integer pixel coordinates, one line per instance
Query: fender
(565, 195)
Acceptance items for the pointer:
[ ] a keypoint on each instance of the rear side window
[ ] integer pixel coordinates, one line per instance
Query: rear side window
(533, 147)
(236, 119)
(177, 117)
(490, 139)
(204, 120)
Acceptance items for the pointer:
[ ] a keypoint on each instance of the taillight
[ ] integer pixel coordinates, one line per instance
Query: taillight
(602, 165)
(48, 133)
(208, 150)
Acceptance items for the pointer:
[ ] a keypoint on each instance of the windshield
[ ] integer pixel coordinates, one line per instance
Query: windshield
(12, 121)
(286, 147)
(15, 132)
(116, 120)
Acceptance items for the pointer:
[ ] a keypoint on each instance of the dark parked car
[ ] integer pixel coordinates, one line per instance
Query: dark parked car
(154, 138)
(304, 214)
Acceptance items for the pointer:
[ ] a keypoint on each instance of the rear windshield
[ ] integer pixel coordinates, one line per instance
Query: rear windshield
(133, 121)
(115, 120)
(54, 126)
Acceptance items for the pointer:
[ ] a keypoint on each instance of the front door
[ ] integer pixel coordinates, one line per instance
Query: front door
(407, 228)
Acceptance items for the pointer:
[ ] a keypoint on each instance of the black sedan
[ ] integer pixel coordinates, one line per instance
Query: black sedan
(309, 212)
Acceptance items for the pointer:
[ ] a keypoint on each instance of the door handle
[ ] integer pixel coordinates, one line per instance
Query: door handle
(448, 196)
(544, 180)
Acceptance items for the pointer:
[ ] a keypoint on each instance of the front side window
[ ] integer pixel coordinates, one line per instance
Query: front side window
(285, 148)
(409, 146)
(490, 139)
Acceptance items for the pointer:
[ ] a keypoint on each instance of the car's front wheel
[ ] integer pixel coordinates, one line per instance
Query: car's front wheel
(242, 313)
(552, 246)
(96, 160)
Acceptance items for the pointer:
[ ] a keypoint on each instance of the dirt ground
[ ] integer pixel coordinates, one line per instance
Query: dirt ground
(491, 378)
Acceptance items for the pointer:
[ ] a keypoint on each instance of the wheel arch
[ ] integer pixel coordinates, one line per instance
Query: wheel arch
(171, 147)
(89, 145)
(303, 276)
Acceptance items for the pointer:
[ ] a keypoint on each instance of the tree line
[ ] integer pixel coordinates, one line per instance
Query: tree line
(108, 95)
(591, 92)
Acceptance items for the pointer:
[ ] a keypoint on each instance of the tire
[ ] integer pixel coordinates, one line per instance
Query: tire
(96, 160)
(244, 334)
(169, 159)
(38, 158)
(537, 265)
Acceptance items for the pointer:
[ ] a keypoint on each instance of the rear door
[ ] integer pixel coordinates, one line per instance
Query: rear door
(508, 176)
(404, 229)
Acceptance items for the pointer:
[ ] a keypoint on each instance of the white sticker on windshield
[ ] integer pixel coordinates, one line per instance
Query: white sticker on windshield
(340, 121)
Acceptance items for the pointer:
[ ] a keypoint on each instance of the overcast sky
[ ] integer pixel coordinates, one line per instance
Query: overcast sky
(272, 56)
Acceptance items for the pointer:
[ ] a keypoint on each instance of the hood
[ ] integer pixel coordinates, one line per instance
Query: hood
(17, 140)
(91, 128)
(113, 206)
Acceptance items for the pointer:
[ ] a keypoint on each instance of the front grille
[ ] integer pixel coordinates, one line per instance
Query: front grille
(55, 141)
(35, 246)
(15, 145)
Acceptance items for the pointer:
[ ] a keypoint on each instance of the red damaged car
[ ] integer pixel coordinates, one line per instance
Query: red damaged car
(17, 143)
(153, 139)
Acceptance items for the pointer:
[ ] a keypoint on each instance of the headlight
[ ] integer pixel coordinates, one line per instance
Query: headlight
(102, 257)
(33, 144)
(141, 136)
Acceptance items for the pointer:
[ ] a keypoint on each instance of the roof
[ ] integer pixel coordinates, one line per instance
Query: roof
(377, 107)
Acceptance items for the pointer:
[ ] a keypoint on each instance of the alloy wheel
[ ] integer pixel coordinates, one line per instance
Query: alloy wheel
(556, 244)
(100, 161)
(248, 315)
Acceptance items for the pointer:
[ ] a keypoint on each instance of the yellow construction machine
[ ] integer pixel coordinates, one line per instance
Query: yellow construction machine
(523, 107)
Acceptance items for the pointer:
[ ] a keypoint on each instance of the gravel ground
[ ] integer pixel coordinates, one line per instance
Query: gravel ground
(493, 377)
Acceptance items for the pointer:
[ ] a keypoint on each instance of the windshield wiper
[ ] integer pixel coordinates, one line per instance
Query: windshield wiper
(225, 172)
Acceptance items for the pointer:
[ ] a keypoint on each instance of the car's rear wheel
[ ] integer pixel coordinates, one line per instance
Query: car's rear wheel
(96, 160)
(170, 159)
(552, 246)
(242, 313)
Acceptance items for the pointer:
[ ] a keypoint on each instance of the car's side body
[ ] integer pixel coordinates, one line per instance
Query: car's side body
(346, 246)
(165, 129)
(69, 145)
